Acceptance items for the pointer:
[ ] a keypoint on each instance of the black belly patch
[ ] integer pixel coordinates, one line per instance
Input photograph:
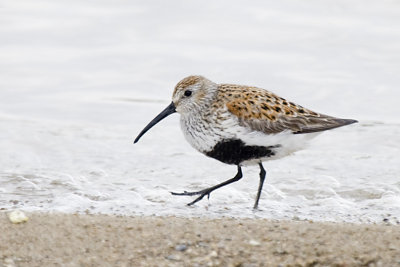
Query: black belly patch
(235, 151)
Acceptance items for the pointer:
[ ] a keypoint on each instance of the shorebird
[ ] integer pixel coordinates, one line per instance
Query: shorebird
(241, 125)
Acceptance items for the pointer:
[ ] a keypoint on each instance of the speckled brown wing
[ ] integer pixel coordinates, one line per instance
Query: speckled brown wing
(261, 110)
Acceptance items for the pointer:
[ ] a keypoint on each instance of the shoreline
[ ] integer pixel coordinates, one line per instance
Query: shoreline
(49, 239)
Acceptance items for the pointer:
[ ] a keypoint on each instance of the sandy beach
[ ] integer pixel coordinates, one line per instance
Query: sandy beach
(101, 240)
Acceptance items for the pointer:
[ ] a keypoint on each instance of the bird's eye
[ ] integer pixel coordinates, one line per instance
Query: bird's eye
(187, 93)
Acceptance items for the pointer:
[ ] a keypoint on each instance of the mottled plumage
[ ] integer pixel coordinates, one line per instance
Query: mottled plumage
(241, 125)
(261, 110)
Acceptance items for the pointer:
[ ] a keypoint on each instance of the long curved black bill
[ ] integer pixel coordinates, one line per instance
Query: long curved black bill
(167, 111)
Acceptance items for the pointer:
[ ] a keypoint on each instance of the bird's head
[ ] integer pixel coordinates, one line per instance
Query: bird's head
(190, 95)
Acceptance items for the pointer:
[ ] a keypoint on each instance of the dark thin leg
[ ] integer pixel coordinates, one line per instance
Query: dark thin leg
(260, 186)
(207, 191)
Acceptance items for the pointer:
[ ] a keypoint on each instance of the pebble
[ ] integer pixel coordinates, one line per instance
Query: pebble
(213, 254)
(254, 242)
(181, 247)
(202, 244)
(17, 216)
(8, 262)
(173, 257)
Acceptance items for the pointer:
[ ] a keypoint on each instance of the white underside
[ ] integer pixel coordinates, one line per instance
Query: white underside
(204, 136)
(287, 143)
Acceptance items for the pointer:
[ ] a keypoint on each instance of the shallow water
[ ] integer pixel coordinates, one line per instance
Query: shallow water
(79, 80)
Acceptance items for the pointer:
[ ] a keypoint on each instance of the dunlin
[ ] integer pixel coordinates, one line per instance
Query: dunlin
(241, 125)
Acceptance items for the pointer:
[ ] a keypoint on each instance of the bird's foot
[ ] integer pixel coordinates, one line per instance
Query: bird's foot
(202, 193)
(186, 193)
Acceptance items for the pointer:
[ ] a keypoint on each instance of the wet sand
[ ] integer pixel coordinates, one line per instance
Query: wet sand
(100, 240)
